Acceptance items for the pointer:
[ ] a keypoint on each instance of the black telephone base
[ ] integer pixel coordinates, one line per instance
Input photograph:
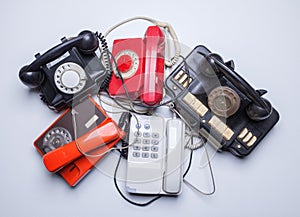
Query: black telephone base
(94, 72)
(195, 82)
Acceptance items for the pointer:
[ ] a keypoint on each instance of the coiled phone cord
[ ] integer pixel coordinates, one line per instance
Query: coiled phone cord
(106, 60)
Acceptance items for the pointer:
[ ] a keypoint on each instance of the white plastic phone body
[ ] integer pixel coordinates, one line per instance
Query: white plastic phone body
(155, 159)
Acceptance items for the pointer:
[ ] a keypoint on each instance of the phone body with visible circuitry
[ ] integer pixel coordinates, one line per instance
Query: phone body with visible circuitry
(219, 104)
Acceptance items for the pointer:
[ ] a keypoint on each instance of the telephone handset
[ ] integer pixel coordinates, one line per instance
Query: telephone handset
(152, 92)
(67, 72)
(260, 108)
(154, 163)
(141, 65)
(98, 138)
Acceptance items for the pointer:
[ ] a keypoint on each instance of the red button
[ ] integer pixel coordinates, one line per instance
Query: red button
(124, 63)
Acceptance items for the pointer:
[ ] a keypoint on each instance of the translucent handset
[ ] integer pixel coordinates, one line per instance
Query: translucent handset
(174, 155)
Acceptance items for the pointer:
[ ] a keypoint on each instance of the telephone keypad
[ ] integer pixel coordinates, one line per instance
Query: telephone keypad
(146, 145)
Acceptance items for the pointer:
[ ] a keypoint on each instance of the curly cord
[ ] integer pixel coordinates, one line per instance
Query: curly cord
(105, 57)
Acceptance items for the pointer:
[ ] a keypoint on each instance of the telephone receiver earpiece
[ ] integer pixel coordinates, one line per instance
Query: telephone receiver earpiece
(260, 108)
(31, 75)
(32, 79)
(258, 113)
(211, 59)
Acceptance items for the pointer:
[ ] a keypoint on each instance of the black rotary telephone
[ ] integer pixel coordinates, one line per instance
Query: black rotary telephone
(219, 104)
(66, 73)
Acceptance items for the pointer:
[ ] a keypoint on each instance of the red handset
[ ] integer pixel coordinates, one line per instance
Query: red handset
(141, 64)
(154, 43)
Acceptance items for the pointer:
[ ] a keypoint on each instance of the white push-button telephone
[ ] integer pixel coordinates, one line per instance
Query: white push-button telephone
(156, 155)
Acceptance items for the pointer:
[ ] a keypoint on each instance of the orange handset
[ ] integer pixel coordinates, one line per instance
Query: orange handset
(65, 154)
(78, 169)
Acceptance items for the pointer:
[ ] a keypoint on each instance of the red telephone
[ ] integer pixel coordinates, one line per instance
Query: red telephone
(140, 62)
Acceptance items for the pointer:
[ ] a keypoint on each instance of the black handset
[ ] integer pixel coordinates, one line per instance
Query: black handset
(67, 72)
(32, 76)
(260, 108)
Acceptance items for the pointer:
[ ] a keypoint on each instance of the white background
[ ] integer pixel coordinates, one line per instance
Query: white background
(261, 36)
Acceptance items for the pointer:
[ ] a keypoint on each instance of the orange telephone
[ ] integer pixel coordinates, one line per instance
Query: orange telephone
(140, 62)
(97, 138)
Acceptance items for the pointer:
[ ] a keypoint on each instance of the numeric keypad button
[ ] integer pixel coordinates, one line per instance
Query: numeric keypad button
(146, 141)
(154, 148)
(154, 142)
(146, 134)
(154, 155)
(137, 134)
(136, 147)
(145, 148)
(155, 135)
(145, 155)
(136, 154)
